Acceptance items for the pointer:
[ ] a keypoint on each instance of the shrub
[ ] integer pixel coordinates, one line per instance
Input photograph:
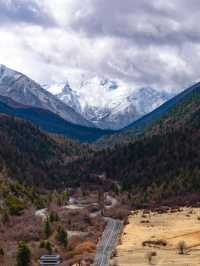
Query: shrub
(87, 246)
(158, 242)
(70, 255)
(74, 241)
(42, 244)
(46, 245)
(47, 228)
(15, 205)
(1, 252)
(4, 217)
(65, 196)
(23, 254)
(61, 236)
(53, 216)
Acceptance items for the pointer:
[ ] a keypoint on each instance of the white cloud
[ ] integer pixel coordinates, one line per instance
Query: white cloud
(142, 43)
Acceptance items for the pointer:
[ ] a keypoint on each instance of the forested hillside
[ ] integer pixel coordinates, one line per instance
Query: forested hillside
(178, 108)
(161, 163)
(33, 176)
(27, 154)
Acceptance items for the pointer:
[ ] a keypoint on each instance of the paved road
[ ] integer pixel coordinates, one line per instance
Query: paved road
(107, 242)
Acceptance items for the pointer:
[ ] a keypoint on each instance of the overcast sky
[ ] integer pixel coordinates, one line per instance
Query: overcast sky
(141, 42)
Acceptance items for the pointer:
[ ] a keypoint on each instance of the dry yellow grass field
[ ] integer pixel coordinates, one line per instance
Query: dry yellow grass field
(170, 227)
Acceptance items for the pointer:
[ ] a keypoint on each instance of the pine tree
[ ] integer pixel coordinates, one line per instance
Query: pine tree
(5, 217)
(48, 247)
(65, 196)
(47, 228)
(1, 252)
(62, 236)
(53, 216)
(23, 254)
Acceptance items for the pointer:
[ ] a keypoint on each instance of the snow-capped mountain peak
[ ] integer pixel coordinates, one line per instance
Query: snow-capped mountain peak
(22, 89)
(88, 100)
(110, 104)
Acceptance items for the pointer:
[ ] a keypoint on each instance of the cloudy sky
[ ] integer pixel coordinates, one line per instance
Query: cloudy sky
(141, 42)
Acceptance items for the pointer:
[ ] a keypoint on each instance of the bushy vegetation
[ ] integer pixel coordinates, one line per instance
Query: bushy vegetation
(14, 204)
(23, 254)
(53, 216)
(16, 197)
(45, 244)
(47, 228)
(61, 236)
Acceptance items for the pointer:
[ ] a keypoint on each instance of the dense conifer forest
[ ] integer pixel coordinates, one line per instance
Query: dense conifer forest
(161, 162)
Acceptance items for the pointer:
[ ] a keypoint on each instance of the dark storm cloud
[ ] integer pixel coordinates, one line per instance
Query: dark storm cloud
(24, 11)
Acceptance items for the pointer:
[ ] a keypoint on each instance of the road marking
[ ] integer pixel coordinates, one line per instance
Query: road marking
(107, 242)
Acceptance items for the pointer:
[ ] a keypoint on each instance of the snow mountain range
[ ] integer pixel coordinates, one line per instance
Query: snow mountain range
(24, 90)
(109, 104)
(90, 101)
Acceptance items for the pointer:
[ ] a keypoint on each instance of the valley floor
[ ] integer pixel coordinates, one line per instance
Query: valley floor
(171, 227)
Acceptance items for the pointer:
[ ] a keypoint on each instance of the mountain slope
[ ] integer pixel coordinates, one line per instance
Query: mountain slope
(26, 91)
(31, 156)
(130, 133)
(163, 163)
(109, 104)
(49, 121)
(26, 153)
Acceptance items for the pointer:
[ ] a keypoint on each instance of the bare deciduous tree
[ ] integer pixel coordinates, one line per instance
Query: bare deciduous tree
(182, 247)
(149, 256)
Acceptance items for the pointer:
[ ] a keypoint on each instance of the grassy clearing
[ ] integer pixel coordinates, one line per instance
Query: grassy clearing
(146, 233)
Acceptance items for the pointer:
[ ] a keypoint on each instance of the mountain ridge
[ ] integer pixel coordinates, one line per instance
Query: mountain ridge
(109, 104)
(49, 122)
(162, 163)
(137, 128)
(24, 90)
